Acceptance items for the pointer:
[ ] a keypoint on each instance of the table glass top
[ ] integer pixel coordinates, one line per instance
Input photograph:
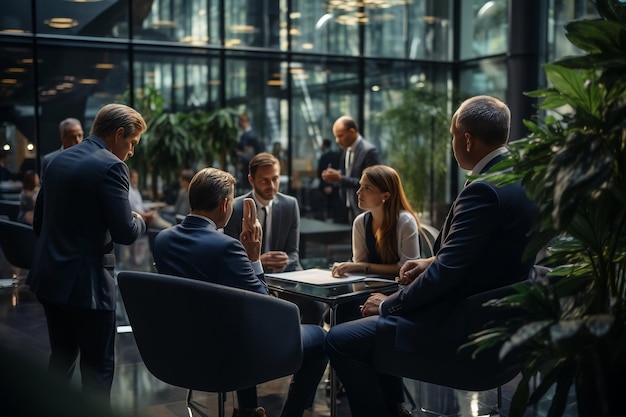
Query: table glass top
(332, 293)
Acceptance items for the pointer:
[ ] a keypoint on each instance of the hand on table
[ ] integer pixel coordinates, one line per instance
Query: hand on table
(340, 269)
(274, 261)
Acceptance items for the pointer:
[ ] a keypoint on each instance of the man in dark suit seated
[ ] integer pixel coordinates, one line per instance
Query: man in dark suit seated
(196, 249)
(479, 248)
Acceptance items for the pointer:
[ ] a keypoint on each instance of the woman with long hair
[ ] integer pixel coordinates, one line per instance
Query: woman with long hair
(387, 234)
(384, 236)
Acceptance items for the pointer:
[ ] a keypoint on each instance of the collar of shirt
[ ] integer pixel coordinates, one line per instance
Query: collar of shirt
(212, 224)
(485, 160)
(354, 145)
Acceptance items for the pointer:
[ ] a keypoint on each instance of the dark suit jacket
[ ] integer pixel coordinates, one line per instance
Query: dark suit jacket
(81, 209)
(195, 249)
(479, 248)
(285, 234)
(365, 155)
(45, 161)
(331, 158)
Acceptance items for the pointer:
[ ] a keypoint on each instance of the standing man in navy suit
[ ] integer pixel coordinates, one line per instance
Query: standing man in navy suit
(196, 249)
(81, 210)
(248, 146)
(279, 216)
(479, 248)
(357, 155)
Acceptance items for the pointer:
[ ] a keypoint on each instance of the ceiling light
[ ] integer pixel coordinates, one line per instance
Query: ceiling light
(307, 45)
(275, 83)
(15, 70)
(88, 81)
(61, 22)
(163, 24)
(242, 29)
(8, 81)
(104, 65)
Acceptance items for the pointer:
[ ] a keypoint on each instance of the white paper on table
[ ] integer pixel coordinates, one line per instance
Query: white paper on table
(316, 276)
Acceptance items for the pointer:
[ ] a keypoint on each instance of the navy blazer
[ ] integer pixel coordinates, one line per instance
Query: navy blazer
(285, 234)
(479, 248)
(195, 249)
(81, 210)
(365, 155)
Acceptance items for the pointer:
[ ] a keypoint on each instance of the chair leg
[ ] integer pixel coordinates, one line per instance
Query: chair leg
(188, 402)
(221, 400)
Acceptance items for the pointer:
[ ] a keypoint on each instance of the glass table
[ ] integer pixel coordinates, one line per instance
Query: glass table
(333, 294)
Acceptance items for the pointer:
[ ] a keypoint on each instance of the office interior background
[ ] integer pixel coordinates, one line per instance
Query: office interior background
(294, 66)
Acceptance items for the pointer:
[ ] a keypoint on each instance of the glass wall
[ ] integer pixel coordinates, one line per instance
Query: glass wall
(294, 66)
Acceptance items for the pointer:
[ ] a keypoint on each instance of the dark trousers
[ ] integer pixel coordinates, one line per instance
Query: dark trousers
(92, 334)
(305, 381)
(350, 347)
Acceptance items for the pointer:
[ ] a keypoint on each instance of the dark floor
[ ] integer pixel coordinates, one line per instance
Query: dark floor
(137, 393)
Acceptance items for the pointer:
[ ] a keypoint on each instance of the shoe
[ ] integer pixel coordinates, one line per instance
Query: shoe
(257, 412)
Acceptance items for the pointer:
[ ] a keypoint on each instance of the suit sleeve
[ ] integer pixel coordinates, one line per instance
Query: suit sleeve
(123, 225)
(371, 158)
(292, 246)
(242, 274)
(470, 231)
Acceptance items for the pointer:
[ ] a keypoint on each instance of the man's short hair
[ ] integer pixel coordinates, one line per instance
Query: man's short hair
(485, 117)
(70, 121)
(262, 159)
(187, 174)
(113, 116)
(208, 187)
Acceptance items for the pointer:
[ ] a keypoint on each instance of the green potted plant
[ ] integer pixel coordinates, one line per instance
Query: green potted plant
(572, 334)
(177, 140)
(417, 125)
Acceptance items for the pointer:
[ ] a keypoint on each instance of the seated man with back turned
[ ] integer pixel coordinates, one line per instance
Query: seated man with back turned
(196, 249)
(479, 248)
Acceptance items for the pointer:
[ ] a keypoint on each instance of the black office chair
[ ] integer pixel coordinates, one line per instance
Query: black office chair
(447, 365)
(10, 208)
(17, 241)
(208, 337)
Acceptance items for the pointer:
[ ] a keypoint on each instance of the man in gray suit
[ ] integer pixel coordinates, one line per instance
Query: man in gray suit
(358, 154)
(71, 133)
(81, 210)
(279, 216)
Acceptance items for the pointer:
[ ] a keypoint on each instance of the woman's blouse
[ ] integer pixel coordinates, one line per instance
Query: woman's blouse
(406, 231)
(27, 203)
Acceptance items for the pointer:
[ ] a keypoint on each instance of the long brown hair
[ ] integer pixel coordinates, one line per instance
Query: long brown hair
(386, 179)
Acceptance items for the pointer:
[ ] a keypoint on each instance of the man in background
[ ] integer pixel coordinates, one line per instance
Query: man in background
(332, 201)
(247, 147)
(82, 209)
(358, 154)
(70, 133)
